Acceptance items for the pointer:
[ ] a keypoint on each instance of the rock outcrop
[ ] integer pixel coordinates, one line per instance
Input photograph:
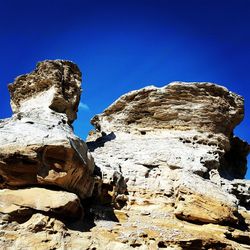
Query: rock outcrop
(46, 171)
(204, 107)
(54, 84)
(174, 149)
(37, 144)
(152, 131)
(168, 170)
(17, 205)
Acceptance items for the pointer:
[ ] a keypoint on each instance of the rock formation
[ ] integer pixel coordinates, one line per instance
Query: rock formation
(174, 149)
(18, 205)
(37, 144)
(167, 170)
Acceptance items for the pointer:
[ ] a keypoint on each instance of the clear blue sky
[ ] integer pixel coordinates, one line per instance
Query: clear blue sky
(124, 45)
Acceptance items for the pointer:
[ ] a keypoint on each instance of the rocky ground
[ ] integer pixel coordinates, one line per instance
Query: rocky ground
(162, 170)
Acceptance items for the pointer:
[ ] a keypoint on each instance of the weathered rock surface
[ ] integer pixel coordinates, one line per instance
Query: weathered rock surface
(17, 205)
(201, 205)
(175, 145)
(167, 174)
(44, 166)
(54, 84)
(146, 150)
(154, 228)
(204, 107)
(37, 144)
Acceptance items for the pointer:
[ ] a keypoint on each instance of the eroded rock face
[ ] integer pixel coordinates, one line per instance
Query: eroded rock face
(54, 83)
(203, 107)
(45, 169)
(195, 133)
(174, 150)
(37, 144)
(195, 202)
(17, 205)
(165, 171)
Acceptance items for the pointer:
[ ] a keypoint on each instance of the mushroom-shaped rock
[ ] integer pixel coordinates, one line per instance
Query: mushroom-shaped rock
(54, 84)
(37, 144)
(152, 136)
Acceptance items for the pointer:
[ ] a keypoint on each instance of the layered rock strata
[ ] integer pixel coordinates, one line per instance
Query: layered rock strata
(46, 171)
(148, 133)
(55, 84)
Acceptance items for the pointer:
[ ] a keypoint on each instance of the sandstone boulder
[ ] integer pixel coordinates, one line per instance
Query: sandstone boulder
(175, 142)
(37, 144)
(18, 205)
(54, 83)
(199, 200)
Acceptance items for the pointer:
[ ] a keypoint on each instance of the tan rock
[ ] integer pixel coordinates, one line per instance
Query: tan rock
(201, 201)
(202, 106)
(173, 149)
(40, 222)
(54, 83)
(153, 231)
(161, 155)
(145, 135)
(37, 145)
(19, 204)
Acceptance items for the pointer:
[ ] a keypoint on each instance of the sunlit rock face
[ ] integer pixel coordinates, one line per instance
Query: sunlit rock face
(175, 146)
(37, 144)
(53, 84)
(185, 126)
(168, 171)
(204, 107)
(20, 205)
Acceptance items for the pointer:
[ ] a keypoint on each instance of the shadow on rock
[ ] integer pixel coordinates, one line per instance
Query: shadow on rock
(99, 142)
(93, 214)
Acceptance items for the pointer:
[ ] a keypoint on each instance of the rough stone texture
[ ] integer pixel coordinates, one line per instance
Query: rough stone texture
(208, 204)
(55, 84)
(148, 160)
(204, 107)
(17, 205)
(37, 145)
(144, 226)
(41, 158)
(167, 172)
(40, 149)
(197, 119)
(175, 145)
